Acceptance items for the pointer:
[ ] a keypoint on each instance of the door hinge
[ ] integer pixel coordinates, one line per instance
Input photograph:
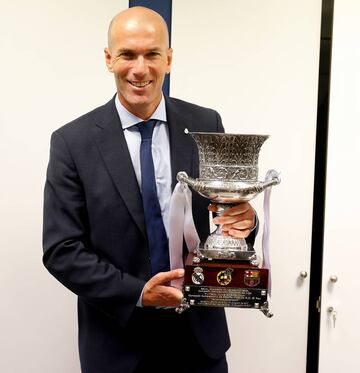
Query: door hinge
(318, 304)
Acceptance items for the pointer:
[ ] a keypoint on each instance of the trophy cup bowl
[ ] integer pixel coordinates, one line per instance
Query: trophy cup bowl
(228, 166)
(224, 271)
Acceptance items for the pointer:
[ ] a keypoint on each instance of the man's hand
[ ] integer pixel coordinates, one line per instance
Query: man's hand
(238, 221)
(157, 292)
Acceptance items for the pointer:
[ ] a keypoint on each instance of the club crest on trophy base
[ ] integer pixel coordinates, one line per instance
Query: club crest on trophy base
(224, 271)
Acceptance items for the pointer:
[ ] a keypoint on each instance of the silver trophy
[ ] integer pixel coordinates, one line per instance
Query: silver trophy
(228, 176)
(224, 271)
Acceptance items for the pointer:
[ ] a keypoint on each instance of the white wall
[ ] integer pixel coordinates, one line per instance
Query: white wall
(52, 70)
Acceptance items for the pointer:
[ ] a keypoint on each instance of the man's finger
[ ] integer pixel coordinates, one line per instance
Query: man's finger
(239, 233)
(226, 219)
(163, 277)
(230, 219)
(241, 208)
(244, 224)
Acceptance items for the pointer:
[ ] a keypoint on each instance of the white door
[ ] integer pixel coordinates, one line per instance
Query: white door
(257, 62)
(339, 343)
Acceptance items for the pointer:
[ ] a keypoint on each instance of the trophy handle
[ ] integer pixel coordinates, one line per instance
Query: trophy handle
(202, 187)
(183, 177)
(275, 180)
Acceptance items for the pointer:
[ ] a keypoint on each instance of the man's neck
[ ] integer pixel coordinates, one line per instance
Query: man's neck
(141, 111)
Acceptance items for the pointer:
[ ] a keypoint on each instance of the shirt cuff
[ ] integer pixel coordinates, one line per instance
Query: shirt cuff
(139, 302)
(256, 225)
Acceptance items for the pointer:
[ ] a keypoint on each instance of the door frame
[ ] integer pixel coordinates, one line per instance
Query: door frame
(317, 242)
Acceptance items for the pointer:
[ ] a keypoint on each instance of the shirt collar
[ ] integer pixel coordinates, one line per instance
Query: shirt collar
(128, 119)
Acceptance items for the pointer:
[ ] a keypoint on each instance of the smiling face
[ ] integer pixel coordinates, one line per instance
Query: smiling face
(139, 57)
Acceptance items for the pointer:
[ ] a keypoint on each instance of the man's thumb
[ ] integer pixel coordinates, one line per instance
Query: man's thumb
(163, 277)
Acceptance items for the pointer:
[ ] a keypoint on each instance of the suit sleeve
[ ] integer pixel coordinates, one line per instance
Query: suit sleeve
(220, 127)
(67, 253)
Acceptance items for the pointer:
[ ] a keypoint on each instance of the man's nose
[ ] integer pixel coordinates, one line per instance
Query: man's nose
(140, 66)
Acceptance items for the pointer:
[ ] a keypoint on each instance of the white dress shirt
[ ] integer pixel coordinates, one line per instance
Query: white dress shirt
(160, 151)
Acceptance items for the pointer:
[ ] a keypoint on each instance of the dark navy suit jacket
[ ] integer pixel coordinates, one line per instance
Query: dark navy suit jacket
(94, 232)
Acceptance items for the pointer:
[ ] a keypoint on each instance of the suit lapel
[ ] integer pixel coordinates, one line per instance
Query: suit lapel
(182, 146)
(112, 145)
(113, 148)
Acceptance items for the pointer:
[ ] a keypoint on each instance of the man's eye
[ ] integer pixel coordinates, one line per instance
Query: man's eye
(126, 55)
(154, 54)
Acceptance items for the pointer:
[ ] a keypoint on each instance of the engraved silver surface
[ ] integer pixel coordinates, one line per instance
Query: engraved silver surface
(227, 254)
(224, 191)
(224, 156)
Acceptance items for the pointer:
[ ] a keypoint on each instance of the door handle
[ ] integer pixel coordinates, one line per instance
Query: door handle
(332, 313)
(303, 274)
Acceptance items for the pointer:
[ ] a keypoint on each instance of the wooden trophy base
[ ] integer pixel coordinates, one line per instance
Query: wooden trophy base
(225, 283)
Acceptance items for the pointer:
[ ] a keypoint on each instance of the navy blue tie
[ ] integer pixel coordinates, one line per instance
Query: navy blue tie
(157, 238)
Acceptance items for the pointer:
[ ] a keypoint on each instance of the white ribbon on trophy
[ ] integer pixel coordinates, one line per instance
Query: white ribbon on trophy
(181, 226)
(271, 174)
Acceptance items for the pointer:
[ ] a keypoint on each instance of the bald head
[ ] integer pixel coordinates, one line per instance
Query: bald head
(135, 17)
(139, 56)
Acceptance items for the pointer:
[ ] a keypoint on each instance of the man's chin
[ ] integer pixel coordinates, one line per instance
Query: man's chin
(137, 100)
(134, 101)
(140, 107)
(142, 103)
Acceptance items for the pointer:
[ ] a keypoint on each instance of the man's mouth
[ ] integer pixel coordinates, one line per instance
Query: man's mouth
(141, 84)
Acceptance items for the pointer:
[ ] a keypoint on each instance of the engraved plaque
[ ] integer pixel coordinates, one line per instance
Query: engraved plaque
(214, 296)
(225, 284)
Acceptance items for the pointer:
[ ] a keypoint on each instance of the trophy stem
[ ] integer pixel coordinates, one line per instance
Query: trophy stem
(221, 208)
(220, 245)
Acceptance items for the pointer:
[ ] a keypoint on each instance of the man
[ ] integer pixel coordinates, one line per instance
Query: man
(97, 236)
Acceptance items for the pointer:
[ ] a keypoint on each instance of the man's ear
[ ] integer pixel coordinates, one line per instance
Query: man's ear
(169, 60)
(108, 59)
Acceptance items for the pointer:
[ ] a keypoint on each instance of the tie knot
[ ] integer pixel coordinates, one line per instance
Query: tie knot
(146, 128)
